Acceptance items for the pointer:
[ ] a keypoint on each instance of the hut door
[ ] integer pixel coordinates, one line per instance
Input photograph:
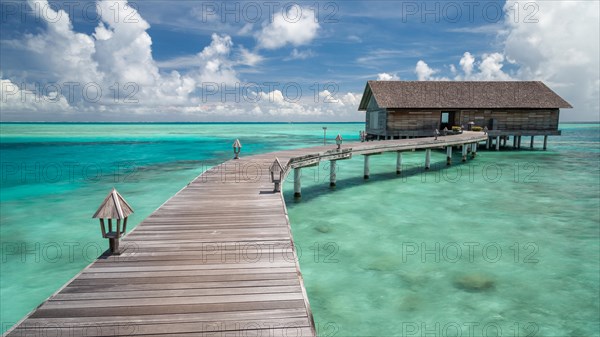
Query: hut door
(447, 120)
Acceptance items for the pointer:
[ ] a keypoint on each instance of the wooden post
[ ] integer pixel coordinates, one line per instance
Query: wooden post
(464, 152)
(332, 173)
(297, 183)
(399, 162)
(473, 150)
(113, 244)
(531, 142)
(504, 139)
(448, 155)
(497, 143)
(487, 143)
(427, 159)
(366, 175)
(102, 227)
(545, 142)
(518, 142)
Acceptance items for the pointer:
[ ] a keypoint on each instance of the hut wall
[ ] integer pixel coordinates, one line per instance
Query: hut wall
(413, 120)
(505, 119)
(514, 119)
(376, 118)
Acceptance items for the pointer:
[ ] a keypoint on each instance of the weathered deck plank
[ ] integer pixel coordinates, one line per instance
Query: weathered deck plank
(216, 259)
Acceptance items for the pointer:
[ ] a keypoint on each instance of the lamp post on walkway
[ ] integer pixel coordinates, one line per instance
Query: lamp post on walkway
(338, 141)
(237, 147)
(276, 170)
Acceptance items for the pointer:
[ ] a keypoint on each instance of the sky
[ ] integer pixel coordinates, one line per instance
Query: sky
(288, 61)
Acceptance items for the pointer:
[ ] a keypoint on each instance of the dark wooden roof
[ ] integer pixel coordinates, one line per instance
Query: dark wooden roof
(461, 95)
(114, 206)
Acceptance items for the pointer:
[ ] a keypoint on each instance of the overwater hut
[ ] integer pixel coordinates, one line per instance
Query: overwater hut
(405, 109)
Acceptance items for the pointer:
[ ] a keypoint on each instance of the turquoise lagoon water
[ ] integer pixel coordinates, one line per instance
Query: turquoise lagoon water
(507, 244)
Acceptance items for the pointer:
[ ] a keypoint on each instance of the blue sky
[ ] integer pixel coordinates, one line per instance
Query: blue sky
(278, 61)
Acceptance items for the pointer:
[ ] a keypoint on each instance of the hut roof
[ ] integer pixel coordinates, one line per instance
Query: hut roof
(114, 206)
(461, 95)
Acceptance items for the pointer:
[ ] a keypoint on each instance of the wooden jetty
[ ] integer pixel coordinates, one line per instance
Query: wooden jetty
(217, 259)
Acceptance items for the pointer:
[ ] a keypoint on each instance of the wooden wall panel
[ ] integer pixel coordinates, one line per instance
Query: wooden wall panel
(413, 120)
(515, 119)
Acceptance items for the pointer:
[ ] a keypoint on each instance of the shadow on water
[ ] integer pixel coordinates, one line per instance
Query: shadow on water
(322, 188)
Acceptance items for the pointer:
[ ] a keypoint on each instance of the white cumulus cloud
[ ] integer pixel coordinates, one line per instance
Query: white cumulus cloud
(557, 42)
(296, 26)
(467, 62)
(63, 52)
(561, 48)
(117, 58)
(387, 77)
(17, 100)
(425, 73)
(489, 68)
(214, 61)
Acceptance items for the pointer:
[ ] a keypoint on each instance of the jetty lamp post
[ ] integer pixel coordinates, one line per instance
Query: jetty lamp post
(338, 141)
(276, 170)
(237, 147)
(114, 207)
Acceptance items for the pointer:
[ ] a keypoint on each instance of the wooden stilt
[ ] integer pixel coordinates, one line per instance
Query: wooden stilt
(427, 158)
(531, 143)
(473, 150)
(514, 142)
(448, 155)
(518, 142)
(297, 183)
(332, 173)
(367, 173)
(504, 139)
(497, 143)
(487, 143)
(399, 162)
(545, 142)
(464, 152)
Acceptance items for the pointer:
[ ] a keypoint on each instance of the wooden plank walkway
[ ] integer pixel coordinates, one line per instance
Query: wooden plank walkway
(216, 259)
